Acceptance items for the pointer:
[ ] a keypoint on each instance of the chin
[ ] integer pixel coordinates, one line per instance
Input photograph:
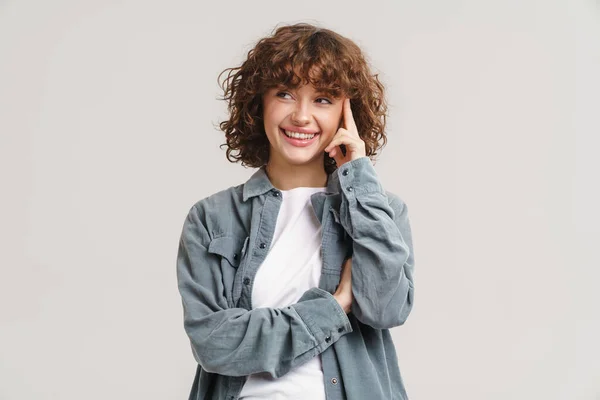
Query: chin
(300, 159)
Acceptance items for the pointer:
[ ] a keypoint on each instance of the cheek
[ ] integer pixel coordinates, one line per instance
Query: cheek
(272, 115)
(330, 122)
(269, 123)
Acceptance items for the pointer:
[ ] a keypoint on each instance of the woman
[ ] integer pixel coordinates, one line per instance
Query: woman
(291, 281)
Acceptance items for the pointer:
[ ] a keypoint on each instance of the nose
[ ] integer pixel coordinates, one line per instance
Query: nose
(300, 115)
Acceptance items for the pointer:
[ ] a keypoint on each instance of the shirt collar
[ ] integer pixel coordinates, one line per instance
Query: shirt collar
(259, 183)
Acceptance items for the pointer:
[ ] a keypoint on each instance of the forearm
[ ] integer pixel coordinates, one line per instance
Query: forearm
(382, 258)
(239, 342)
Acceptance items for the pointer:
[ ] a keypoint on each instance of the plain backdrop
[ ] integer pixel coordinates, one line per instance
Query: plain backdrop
(108, 113)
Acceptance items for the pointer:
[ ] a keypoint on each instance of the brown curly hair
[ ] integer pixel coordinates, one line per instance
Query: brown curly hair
(296, 55)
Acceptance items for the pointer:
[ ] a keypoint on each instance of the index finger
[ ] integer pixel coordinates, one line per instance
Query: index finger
(348, 117)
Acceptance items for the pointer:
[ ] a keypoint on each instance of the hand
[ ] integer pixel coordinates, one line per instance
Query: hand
(343, 293)
(347, 135)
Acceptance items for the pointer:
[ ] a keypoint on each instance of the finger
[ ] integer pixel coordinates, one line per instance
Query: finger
(338, 156)
(336, 153)
(331, 146)
(350, 143)
(348, 117)
(340, 138)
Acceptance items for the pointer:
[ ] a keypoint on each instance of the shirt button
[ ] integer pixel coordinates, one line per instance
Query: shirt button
(350, 188)
(334, 381)
(345, 172)
(235, 256)
(340, 329)
(276, 193)
(328, 339)
(246, 281)
(262, 245)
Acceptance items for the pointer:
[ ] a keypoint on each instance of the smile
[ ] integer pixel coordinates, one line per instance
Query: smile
(297, 138)
(298, 135)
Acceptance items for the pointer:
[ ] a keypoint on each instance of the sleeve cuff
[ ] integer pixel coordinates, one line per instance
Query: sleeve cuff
(323, 316)
(358, 176)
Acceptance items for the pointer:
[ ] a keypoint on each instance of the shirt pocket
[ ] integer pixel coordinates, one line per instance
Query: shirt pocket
(231, 250)
(338, 245)
(335, 226)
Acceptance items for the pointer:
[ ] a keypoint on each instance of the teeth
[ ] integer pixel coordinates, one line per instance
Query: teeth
(297, 135)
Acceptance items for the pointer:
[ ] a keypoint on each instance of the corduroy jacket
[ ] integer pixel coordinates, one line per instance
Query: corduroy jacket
(224, 240)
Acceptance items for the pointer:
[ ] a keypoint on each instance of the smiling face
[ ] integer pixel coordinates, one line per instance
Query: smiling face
(299, 124)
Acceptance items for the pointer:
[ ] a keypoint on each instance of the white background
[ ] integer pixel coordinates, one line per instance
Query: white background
(107, 137)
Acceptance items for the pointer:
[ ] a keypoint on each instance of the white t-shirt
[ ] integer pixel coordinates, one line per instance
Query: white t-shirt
(291, 267)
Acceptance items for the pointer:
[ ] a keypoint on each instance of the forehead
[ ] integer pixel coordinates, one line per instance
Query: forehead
(308, 76)
(300, 88)
(308, 89)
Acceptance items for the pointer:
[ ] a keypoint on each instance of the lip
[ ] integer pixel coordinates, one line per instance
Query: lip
(299, 129)
(298, 142)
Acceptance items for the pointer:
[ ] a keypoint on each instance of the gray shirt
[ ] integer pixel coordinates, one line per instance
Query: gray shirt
(224, 240)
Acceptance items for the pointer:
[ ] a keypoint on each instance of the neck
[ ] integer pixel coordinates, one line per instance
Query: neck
(286, 176)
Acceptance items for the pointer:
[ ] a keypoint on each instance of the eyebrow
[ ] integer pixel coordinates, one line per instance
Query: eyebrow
(318, 91)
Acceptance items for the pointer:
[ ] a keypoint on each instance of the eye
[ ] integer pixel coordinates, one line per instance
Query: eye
(283, 94)
(327, 101)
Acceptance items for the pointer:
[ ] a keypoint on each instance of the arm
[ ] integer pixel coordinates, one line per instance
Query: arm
(382, 259)
(235, 341)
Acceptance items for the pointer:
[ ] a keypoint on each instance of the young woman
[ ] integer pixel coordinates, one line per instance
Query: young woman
(291, 281)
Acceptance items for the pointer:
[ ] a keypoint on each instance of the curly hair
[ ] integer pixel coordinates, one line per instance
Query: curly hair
(295, 55)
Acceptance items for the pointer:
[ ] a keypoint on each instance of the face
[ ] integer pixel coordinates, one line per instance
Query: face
(299, 124)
